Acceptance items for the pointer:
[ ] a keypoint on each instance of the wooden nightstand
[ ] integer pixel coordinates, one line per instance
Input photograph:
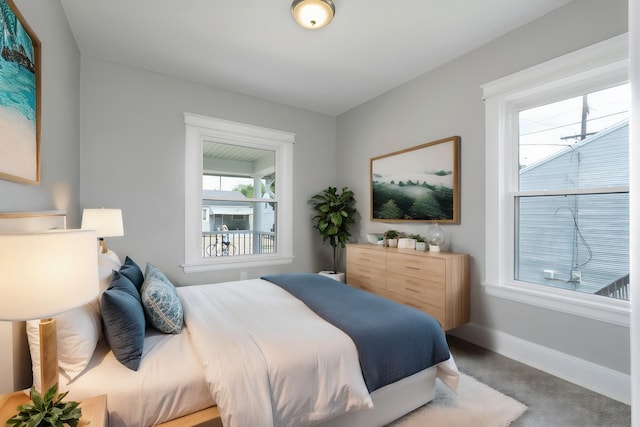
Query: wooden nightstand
(94, 410)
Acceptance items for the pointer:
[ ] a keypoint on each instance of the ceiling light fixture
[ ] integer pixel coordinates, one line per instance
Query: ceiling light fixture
(313, 14)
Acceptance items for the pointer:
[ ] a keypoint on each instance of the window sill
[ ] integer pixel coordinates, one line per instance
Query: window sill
(234, 263)
(593, 307)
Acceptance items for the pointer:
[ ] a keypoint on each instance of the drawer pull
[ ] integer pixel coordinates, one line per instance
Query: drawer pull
(417, 291)
(409, 267)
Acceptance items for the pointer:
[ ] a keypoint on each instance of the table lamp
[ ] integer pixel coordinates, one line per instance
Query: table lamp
(43, 275)
(106, 222)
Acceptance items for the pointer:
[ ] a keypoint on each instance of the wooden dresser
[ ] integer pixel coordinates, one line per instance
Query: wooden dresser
(434, 282)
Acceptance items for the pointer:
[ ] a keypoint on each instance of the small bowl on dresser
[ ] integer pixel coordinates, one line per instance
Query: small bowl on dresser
(375, 238)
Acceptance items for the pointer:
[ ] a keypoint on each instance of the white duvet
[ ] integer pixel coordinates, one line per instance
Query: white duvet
(265, 369)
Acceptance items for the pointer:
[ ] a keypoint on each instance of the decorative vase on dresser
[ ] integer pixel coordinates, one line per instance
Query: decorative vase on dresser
(434, 282)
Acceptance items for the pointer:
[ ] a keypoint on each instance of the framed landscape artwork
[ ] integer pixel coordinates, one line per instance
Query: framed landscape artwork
(19, 98)
(419, 184)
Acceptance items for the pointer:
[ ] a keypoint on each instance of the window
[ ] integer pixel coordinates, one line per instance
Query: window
(557, 184)
(239, 177)
(571, 207)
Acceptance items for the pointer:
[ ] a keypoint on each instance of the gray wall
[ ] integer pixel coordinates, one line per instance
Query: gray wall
(60, 173)
(132, 157)
(447, 101)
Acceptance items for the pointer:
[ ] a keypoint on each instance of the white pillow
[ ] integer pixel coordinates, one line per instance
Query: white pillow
(106, 264)
(78, 331)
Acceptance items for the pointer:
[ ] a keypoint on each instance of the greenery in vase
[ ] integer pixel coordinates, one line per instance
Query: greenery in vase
(418, 237)
(47, 410)
(391, 234)
(334, 217)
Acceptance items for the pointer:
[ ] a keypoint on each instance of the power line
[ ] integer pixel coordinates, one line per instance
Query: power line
(573, 124)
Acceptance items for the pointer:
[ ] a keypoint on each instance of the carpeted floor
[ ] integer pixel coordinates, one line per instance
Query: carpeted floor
(551, 401)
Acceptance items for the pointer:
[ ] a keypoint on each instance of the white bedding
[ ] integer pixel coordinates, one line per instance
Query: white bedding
(169, 383)
(292, 373)
(264, 369)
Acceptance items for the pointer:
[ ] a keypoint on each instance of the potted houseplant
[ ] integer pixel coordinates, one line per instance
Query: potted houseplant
(421, 244)
(334, 216)
(47, 410)
(391, 238)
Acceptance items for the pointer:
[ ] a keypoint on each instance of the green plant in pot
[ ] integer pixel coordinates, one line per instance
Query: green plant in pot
(47, 410)
(334, 216)
(421, 242)
(391, 238)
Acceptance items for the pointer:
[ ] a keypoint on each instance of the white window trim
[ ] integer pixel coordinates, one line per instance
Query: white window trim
(598, 66)
(199, 128)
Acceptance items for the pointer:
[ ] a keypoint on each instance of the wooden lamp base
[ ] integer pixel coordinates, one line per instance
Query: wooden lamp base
(103, 246)
(48, 354)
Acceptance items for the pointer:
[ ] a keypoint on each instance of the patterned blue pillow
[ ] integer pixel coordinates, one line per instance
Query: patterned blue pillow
(161, 302)
(124, 321)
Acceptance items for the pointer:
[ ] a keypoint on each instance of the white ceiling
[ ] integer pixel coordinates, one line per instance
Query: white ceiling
(254, 46)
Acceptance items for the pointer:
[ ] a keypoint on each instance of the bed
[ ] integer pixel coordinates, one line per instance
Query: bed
(271, 351)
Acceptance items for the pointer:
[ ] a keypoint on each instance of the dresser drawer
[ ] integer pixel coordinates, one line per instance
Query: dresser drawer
(423, 268)
(418, 289)
(367, 278)
(438, 312)
(366, 257)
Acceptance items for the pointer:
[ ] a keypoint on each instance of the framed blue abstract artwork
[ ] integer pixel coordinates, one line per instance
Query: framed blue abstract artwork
(19, 97)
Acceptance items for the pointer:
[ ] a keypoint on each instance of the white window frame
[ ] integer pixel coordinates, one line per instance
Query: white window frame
(199, 128)
(593, 68)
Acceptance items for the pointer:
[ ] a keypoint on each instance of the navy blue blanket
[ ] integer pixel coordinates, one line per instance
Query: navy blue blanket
(393, 340)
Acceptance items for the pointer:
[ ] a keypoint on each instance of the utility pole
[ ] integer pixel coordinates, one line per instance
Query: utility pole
(585, 113)
(583, 122)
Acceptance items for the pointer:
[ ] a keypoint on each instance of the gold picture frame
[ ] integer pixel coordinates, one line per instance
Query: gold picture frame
(19, 97)
(418, 184)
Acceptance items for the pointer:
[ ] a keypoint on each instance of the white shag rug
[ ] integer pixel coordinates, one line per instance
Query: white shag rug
(476, 404)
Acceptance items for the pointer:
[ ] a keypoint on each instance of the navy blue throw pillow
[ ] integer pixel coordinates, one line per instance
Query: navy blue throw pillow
(133, 272)
(123, 319)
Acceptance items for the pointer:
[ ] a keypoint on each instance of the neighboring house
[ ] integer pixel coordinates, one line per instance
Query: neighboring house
(236, 215)
(578, 242)
(250, 224)
(234, 212)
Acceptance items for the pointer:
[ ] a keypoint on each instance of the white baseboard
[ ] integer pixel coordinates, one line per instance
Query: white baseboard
(603, 380)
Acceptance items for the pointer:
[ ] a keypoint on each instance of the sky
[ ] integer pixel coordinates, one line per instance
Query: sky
(223, 183)
(543, 128)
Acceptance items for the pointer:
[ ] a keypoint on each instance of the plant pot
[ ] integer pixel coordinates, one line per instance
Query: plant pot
(421, 246)
(405, 243)
(392, 243)
(332, 275)
(434, 248)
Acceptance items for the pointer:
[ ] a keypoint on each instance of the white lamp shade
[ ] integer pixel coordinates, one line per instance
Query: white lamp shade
(313, 14)
(106, 222)
(45, 274)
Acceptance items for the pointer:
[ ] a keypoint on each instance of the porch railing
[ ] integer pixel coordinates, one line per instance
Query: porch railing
(618, 289)
(237, 242)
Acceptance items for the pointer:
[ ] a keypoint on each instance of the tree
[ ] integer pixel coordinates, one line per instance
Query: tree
(247, 189)
(389, 211)
(426, 207)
